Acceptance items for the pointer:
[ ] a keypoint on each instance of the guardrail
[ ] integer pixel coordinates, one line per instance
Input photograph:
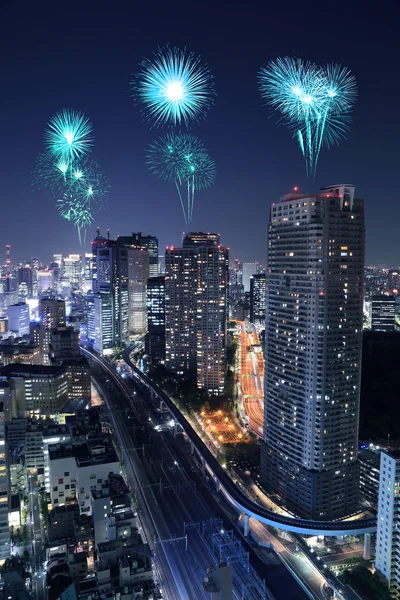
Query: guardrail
(250, 508)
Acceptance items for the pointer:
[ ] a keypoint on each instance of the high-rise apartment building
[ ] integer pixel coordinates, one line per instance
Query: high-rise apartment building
(257, 298)
(314, 300)
(383, 313)
(146, 242)
(387, 559)
(155, 337)
(196, 309)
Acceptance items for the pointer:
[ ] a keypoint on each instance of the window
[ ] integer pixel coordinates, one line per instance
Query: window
(67, 486)
(93, 476)
(61, 494)
(61, 480)
(66, 474)
(99, 481)
(55, 488)
(56, 501)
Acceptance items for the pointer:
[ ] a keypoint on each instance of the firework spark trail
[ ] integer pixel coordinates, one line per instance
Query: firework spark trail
(174, 87)
(182, 159)
(315, 102)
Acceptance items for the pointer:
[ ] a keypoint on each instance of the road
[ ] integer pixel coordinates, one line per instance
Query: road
(184, 504)
(251, 376)
(38, 555)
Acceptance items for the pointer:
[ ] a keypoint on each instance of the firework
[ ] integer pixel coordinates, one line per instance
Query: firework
(69, 135)
(315, 102)
(182, 160)
(174, 87)
(75, 183)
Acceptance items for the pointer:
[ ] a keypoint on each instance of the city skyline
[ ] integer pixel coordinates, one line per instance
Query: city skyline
(257, 162)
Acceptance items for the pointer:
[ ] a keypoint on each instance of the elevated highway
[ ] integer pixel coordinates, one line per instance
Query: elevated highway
(225, 484)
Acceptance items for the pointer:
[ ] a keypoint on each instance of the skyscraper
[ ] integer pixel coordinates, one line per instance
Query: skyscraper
(147, 242)
(138, 276)
(110, 288)
(196, 310)
(383, 313)
(387, 536)
(257, 298)
(314, 298)
(155, 337)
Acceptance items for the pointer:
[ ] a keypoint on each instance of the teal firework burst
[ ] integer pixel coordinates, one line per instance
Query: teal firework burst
(69, 135)
(174, 87)
(182, 159)
(315, 102)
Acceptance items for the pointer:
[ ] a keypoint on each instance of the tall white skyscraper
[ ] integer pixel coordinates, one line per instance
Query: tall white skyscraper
(196, 309)
(387, 560)
(138, 275)
(314, 299)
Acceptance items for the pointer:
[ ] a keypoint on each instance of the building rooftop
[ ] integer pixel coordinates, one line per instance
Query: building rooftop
(29, 370)
(394, 452)
(85, 453)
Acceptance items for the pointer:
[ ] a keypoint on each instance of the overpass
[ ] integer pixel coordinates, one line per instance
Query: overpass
(223, 482)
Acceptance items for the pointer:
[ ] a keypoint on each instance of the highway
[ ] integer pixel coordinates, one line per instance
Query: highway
(175, 500)
(238, 498)
(250, 364)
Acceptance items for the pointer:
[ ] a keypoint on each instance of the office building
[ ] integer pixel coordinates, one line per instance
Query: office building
(18, 318)
(45, 281)
(387, 561)
(38, 389)
(72, 269)
(196, 310)
(110, 290)
(9, 294)
(315, 274)
(257, 298)
(51, 315)
(138, 276)
(146, 242)
(25, 282)
(155, 337)
(383, 313)
(64, 350)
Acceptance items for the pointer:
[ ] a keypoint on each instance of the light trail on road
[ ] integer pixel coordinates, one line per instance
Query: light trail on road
(251, 376)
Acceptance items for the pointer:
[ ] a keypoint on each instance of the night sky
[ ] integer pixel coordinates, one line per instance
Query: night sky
(81, 55)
